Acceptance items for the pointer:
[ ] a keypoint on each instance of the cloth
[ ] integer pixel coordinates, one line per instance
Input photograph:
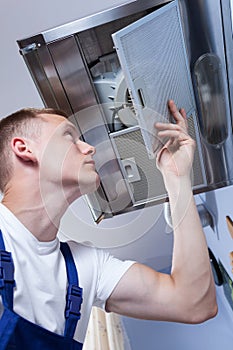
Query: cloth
(18, 333)
(40, 276)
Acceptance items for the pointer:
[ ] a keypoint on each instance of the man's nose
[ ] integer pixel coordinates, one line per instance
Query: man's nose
(86, 148)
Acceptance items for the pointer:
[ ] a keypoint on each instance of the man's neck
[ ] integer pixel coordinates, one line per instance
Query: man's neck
(41, 216)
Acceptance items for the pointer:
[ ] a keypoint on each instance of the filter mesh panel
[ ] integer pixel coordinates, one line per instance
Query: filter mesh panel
(151, 185)
(153, 57)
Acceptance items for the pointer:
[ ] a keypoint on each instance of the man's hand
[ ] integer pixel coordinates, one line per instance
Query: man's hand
(176, 156)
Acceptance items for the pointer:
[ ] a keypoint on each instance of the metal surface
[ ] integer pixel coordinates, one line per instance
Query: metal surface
(82, 24)
(66, 62)
(207, 29)
(227, 10)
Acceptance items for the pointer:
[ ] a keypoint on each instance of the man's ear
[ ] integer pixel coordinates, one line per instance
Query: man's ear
(22, 149)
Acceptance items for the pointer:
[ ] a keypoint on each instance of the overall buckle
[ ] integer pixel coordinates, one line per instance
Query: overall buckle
(6, 268)
(74, 301)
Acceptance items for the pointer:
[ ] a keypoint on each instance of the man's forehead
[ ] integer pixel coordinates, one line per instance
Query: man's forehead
(57, 121)
(53, 118)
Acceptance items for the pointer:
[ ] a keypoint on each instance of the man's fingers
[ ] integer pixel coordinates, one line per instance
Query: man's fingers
(183, 113)
(170, 127)
(171, 133)
(178, 115)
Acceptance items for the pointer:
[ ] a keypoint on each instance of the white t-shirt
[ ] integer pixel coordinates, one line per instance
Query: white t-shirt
(41, 281)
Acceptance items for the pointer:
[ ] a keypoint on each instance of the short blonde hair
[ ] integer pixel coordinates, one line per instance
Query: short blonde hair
(23, 123)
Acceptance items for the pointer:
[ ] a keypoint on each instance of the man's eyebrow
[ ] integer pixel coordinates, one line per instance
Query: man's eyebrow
(70, 126)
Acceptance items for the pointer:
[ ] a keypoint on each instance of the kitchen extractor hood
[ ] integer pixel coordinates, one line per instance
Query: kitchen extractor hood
(113, 73)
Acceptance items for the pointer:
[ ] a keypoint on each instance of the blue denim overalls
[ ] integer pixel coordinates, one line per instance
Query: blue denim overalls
(20, 334)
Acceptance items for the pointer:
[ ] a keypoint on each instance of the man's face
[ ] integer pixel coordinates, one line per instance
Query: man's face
(65, 160)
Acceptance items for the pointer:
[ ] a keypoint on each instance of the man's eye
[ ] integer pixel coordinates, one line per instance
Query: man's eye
(68, 134)
(71, 137)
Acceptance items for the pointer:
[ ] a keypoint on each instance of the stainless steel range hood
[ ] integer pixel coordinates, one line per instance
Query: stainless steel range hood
(113, 72)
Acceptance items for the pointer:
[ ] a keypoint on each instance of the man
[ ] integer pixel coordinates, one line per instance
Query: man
(45, 167)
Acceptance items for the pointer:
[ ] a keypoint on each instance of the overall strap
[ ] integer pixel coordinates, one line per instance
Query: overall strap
(74, 293)
(7, 282)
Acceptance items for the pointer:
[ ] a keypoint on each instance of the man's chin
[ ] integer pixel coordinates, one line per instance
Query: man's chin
(92, 187)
